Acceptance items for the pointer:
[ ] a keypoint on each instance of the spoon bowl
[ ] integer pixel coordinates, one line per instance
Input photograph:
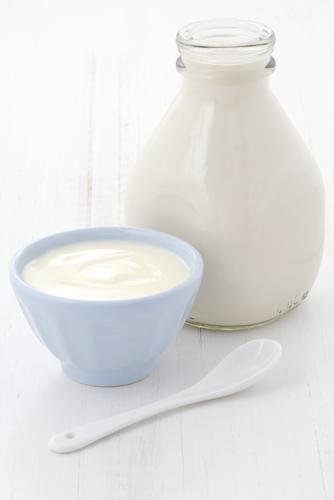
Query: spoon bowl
(241, 368)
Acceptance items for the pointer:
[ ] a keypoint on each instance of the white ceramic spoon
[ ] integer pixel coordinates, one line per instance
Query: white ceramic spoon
(240, 369)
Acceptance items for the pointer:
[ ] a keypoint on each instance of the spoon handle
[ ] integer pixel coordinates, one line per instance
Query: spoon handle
(82, 436)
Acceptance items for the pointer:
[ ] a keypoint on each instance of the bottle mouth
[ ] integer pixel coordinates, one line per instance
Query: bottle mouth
(225, 41)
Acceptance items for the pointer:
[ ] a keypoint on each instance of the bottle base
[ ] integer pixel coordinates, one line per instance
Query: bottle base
(228, 328)
(235, 328)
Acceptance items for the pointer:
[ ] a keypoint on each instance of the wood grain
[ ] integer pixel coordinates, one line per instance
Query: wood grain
(82, 86)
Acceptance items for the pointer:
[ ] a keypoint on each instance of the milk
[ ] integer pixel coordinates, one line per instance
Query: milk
(105, 270)
(227, 171)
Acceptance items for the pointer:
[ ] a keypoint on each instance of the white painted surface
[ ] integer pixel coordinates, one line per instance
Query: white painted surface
(82, 85)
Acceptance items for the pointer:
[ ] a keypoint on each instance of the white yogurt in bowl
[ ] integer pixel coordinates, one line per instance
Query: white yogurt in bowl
(105, 270)
(106, 301)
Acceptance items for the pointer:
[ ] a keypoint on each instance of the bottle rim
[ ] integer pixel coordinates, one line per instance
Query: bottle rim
(225, 33)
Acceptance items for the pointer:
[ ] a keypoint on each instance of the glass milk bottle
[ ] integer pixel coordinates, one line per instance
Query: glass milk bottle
(227, 171)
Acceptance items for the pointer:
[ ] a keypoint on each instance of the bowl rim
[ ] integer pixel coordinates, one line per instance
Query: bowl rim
(153, 237)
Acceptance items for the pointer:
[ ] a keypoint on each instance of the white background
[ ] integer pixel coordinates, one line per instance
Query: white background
(82, 85)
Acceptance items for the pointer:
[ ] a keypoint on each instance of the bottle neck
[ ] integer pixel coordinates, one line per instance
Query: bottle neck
(228, 51)
(201, 88)
(254, 73)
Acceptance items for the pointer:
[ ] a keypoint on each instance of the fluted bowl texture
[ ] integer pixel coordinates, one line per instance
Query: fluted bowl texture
(112, 342)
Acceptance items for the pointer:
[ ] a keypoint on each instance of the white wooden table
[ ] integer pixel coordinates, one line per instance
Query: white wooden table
(82, 84)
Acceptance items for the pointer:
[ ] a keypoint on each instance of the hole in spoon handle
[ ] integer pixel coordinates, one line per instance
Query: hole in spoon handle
(70, 435)
(67, 442)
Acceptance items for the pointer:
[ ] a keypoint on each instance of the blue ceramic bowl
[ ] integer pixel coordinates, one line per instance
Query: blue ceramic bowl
(111, 342)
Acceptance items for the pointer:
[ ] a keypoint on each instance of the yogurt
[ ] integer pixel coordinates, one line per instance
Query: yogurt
(105, 270)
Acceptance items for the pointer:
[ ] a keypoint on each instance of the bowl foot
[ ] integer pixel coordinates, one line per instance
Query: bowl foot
(108, 378)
